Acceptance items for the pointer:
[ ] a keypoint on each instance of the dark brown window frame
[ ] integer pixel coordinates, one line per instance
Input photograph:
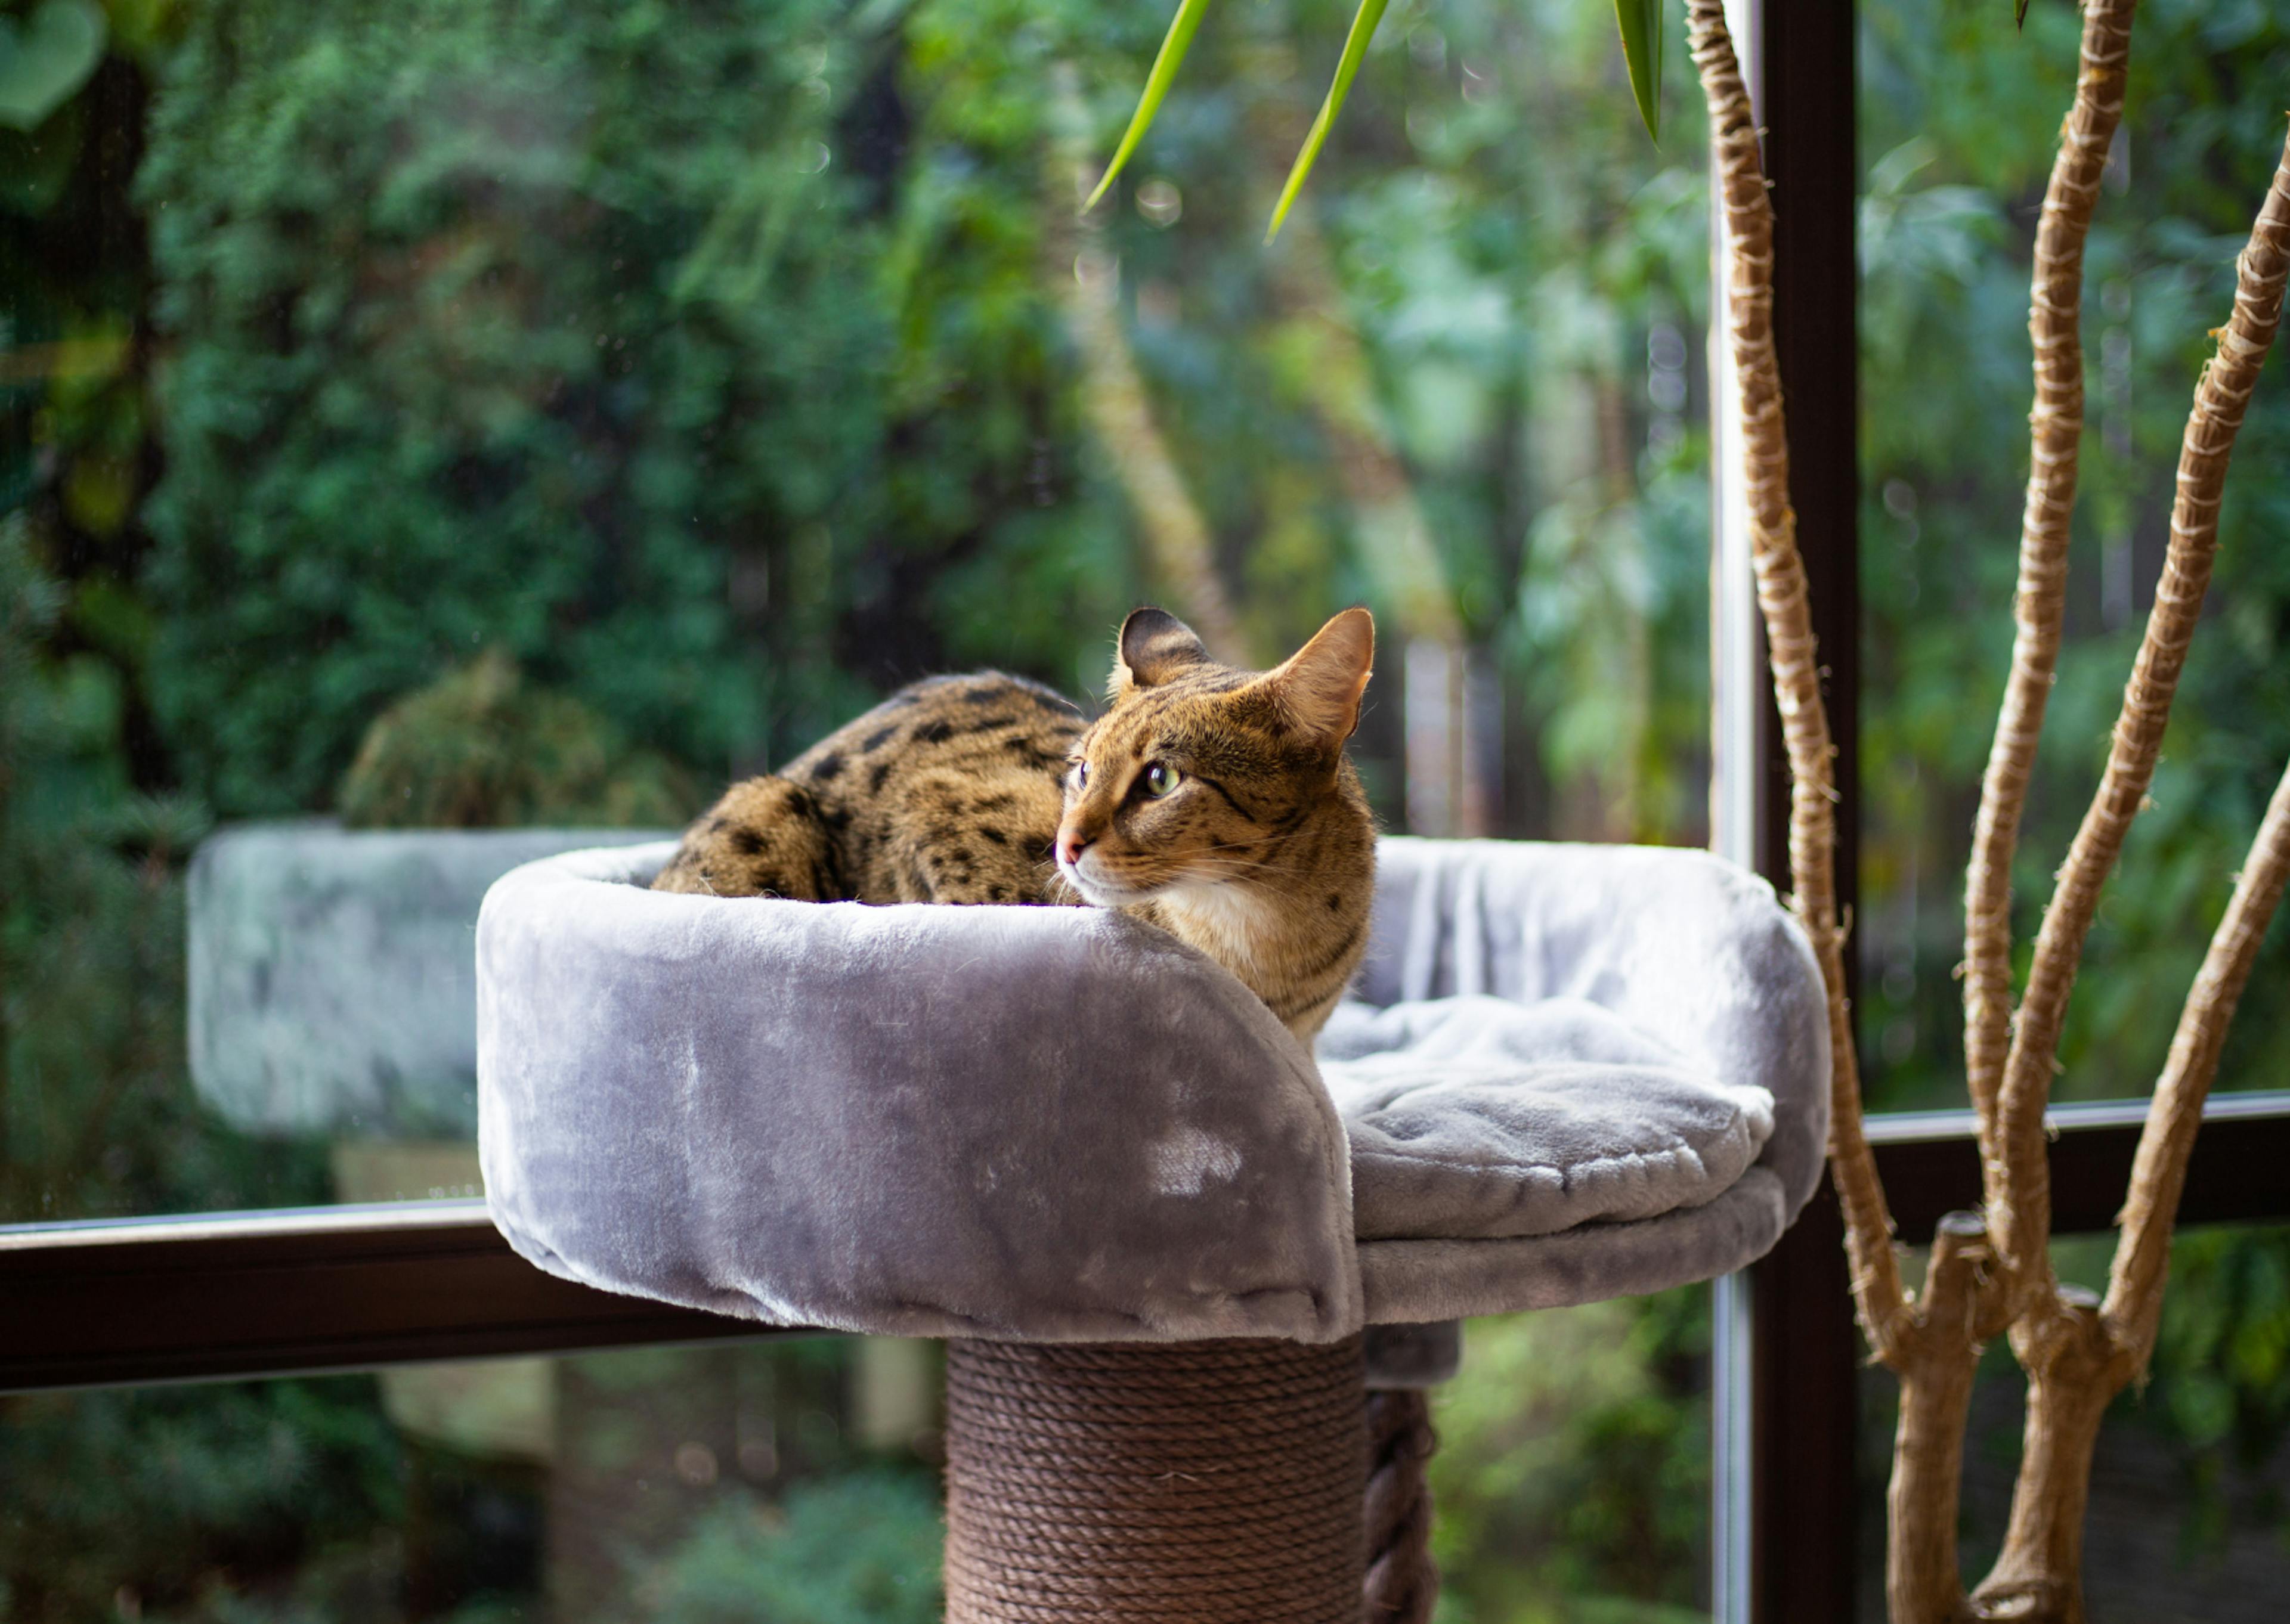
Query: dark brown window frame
(235, 1295)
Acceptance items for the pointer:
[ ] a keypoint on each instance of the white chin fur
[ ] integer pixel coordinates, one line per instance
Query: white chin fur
(1096, 893)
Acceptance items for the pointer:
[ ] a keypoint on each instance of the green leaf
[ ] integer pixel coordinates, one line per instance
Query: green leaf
(45, 58)
(1156, 86)
(2020, 14)
(1640, 21)
(1371, 13)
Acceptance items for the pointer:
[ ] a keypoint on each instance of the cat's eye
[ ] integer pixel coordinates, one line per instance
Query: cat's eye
(1081, 775)
(1160, 779)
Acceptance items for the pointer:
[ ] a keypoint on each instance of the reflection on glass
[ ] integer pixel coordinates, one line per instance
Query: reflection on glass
(780, 1480)
(1955, 164)
(1573, 1478)
(435, 438)
(2190, 1513)
(794, 1482)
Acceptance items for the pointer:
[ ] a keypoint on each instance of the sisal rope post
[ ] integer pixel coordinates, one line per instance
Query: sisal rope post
(1403, 1581)
(1215, 1481)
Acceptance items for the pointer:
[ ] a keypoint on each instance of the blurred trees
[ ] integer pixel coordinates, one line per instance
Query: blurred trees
(713, 368)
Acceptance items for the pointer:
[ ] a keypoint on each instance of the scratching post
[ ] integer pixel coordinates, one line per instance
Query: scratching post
(1403, 1581)
(1216, 1481)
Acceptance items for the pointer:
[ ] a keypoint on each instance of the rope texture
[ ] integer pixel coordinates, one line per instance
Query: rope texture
(1403, 1581)
(1212, 1483)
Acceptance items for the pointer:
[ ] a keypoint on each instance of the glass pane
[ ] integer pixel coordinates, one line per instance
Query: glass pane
(2189, 1515)
(780, 1480)
(438, 435)
(1958, 119)
(1572, 1477)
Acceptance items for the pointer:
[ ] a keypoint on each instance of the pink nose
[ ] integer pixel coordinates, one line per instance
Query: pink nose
(1070, 846)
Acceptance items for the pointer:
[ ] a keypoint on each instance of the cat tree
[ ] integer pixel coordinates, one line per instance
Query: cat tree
(1168, 1250)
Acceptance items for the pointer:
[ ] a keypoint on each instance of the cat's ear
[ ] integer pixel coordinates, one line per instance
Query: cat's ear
(1154, 646)
(1318, 687)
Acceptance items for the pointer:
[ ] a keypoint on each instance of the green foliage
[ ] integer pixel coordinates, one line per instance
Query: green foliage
(96, 1112)
(45, 57)
(2220, 1382)
(1355, 42)
(1573, 1469)
(484, 748)
(857, 1549)
(1158, 80)
(1640, 23)
(468, 351)
(160, 1493)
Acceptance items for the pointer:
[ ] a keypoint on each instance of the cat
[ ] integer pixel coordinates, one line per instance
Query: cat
(1213, 803)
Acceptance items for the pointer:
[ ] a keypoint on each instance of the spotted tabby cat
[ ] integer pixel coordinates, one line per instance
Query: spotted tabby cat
(1213, 803)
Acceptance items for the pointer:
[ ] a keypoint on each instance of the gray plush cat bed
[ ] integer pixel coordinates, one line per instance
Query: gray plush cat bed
(1571, 1073)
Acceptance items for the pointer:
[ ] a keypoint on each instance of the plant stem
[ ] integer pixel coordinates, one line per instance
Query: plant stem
(2143, 1258)
(2020, 1195)
(2055, 434)
(1876, 1290)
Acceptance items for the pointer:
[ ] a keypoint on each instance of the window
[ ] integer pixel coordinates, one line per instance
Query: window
(435, 438)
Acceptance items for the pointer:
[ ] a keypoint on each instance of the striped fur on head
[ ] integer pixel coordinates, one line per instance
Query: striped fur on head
(1218, 804)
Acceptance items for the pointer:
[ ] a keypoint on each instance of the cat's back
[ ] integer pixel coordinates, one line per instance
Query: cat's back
(952, 786)
(987, 722)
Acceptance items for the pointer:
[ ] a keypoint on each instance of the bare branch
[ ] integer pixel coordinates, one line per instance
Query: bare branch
(1877, 1286)
(2143, 1259)
(2055, 434)
(2020, 1196)
(1922, 1579)
(2037, 1578)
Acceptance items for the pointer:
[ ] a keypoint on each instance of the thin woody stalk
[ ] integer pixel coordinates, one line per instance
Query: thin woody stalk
(2143, 1259)
(1781, 598)
(1936, 1364)
(2055, 434)
(2020, 1207)
(2083, 1354)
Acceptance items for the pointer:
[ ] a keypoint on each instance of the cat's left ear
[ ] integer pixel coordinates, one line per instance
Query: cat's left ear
(1154, 646)
(1318, 687)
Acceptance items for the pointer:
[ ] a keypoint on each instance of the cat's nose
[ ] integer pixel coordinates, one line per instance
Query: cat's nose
(1071, 845)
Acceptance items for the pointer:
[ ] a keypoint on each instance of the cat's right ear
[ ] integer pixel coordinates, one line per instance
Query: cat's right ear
(1318, 687)
(1153, 647)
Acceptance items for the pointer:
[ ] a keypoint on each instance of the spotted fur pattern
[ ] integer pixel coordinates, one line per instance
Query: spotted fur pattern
(1215, 803)
(948, 791)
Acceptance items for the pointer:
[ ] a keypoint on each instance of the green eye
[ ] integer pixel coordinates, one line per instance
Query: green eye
(1160, 779)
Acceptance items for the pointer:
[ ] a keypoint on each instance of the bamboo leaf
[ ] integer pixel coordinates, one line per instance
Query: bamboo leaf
(1640, 21)
(1179, 39)
(1370, 13)
(2020, 14)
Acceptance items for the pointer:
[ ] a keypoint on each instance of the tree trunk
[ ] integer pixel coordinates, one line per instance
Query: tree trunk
(2038, 1576)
